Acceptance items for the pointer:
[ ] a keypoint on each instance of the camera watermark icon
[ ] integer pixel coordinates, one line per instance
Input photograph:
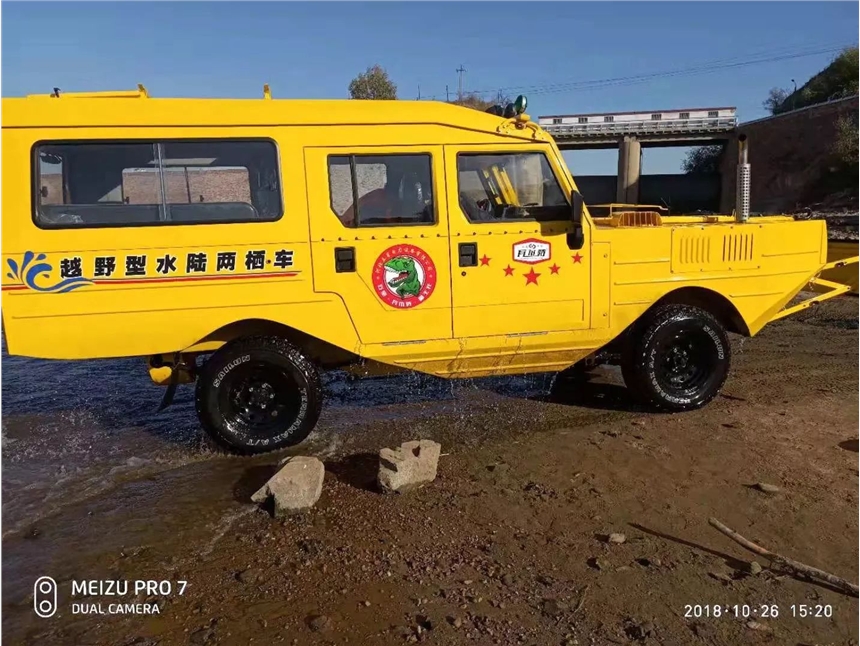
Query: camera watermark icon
(45, 597)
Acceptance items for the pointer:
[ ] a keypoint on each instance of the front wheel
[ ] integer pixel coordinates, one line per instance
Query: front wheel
(258, 394)
(677, 358)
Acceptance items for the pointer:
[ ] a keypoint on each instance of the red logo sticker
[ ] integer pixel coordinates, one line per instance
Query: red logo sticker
(404, 276)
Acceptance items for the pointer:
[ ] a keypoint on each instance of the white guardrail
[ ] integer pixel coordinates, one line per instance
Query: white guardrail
(644, 127)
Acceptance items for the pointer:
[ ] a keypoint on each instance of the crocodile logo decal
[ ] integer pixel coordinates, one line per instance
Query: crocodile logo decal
(404, 276)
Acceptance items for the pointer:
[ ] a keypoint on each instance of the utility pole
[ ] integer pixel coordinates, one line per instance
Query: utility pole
(447, 98)
(419, 91)
(460, 71)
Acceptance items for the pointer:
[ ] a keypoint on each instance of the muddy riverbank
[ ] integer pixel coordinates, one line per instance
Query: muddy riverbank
(506, 547)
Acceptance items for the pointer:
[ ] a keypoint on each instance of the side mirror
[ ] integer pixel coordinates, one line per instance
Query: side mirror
(576, 238)
(576, 204)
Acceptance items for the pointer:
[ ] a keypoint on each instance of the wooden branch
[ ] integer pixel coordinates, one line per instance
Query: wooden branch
(794, 566)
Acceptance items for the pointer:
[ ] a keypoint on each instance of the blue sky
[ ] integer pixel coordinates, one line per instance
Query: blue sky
(313, 50)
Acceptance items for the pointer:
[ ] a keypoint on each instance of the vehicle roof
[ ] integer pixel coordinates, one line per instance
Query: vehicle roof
(132, 109)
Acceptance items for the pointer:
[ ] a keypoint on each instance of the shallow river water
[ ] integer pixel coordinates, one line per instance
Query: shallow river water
(85, 454)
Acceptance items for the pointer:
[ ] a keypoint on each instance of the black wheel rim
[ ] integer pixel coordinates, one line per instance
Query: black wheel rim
(685, 362)
(259, 398)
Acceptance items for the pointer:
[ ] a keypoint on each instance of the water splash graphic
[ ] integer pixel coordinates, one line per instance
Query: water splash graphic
(27, 275)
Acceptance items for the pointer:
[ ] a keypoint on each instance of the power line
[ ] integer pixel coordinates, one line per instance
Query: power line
(748, 58)
(694, 71)
(735, 62)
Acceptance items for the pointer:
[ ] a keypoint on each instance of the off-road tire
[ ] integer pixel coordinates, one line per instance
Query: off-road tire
(220, 384)
(648, 361)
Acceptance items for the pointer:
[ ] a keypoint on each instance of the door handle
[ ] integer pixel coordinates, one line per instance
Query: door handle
(344, 259)
(468, 254)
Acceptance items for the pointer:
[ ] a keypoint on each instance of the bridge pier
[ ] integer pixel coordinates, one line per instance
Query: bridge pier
(629, 169)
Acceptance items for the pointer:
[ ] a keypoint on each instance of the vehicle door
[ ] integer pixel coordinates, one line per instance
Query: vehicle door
(379, 238)
(513, 270)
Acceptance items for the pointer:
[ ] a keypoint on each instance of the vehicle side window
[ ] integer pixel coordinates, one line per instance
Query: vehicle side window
(99, 184)
(381, 190)
(517, 186)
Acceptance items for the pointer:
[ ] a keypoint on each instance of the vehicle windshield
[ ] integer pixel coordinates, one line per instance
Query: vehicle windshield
(512, 186)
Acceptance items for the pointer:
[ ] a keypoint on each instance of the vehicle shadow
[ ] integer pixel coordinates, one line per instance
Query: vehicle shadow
(596, 394)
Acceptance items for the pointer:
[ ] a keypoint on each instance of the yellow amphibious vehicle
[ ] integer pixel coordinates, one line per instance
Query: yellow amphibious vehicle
(249, 244)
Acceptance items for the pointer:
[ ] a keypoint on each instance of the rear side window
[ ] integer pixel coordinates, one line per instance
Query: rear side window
(381, 190)
(144, 183)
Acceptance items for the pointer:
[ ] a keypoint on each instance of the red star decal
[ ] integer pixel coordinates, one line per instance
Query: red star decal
(485, 261)
(577, 258)
(531, 277)
(509, 271)
(554, 269)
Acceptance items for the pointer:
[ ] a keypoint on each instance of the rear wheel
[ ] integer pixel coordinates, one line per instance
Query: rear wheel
(677, 358)
(258, 394)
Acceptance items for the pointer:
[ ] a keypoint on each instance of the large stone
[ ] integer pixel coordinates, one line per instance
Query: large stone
(297, 486)
(408, 467)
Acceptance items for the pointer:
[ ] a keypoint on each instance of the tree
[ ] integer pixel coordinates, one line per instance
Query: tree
(475, 101)
(373, 84)
(839, 79)
(705, 159)
(775, 100)
(846, 141)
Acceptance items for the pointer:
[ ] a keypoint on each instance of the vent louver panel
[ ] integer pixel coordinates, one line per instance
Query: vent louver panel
(738, 247)
(705, 249)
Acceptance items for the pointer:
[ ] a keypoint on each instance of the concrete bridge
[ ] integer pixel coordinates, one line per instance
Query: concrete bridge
(631, 131)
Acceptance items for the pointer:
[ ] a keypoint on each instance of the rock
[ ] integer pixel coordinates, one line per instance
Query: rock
(616, 538)
(202, 636)
(508, 579)
(297, 486)
(638, 632)
(598, 563)
(319, 623)
(551, 607)
(544, 579)
(407, 467)
(754, 568)
(767, 488)
(404, 632)
(251, 575)
(756, 625)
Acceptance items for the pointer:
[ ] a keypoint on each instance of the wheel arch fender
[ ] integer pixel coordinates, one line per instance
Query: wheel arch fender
(710, 301)
(323, 353)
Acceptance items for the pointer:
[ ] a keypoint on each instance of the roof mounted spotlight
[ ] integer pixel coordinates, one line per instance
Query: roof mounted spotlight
(520, 104)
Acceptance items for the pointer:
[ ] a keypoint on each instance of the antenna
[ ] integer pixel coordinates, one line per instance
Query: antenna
(460, 70)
